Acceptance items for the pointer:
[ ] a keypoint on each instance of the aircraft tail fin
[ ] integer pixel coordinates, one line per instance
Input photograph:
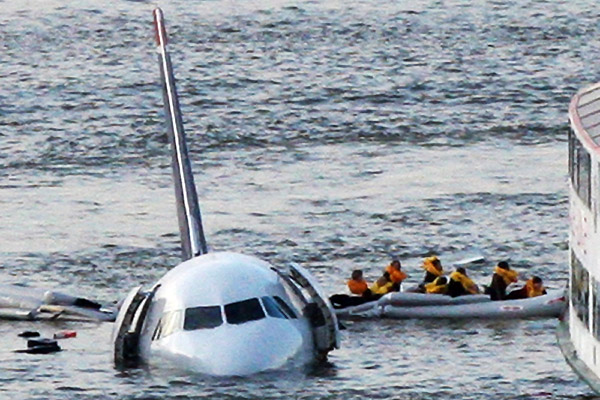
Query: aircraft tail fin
(193, 242)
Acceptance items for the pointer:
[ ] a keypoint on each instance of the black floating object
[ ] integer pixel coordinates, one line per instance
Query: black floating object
(29, 334)
(40, 350)
(41, 346)
(41, 342)
(85, 303)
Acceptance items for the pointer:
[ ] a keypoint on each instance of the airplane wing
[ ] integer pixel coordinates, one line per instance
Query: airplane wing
(25, 303)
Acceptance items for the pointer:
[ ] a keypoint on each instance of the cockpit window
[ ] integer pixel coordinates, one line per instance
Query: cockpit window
(244, 311)
(272, 308)
(202, 318)
(286, 309)
(169, 323)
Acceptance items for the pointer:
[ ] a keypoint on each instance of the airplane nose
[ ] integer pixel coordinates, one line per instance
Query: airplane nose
(240, 350)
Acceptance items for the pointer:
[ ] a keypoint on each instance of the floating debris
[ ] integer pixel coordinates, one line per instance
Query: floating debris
(29, 334)
(40, 346)
(65, 334)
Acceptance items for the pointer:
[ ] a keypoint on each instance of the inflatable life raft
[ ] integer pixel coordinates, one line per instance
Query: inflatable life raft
(430, 306)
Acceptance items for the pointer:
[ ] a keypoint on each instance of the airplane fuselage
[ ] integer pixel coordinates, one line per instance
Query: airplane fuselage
(226, 314)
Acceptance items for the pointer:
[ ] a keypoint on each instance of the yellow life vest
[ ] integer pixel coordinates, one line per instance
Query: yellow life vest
(429, 267)
(436, 288)
(508, 275)
(531, 291)
(383, 289)
(465, 281)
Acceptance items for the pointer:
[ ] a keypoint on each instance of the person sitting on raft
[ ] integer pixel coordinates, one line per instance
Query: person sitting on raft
(357, 284)
(438, 286)
(460, 284)
(359, 287)
(397, 276)
(533, 288)
(433, 269)
(503, 276)
(383, 285)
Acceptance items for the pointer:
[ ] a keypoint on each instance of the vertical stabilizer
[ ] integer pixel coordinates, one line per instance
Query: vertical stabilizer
(193, 242)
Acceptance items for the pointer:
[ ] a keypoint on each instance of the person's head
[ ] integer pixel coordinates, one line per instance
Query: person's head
(504, 265)
(357, 274)
(396, 264)
(538, 284)
(442, 280)
(461, 270)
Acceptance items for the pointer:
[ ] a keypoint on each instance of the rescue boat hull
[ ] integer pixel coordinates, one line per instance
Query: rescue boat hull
(551, 305)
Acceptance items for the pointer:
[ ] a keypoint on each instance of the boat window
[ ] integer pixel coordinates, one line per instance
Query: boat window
(572, 159)
(289, 311)
(580, 288)
(584, 166)
(244, 311)
(169, 323)
(596, 310)
(202, 318)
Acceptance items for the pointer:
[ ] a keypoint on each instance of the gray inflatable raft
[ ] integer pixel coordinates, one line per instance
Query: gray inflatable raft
(426, 306)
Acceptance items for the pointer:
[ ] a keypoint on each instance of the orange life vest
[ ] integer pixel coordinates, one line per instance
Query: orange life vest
(508, 275)
(465, 281)
(357, 287)
(429, 267)
(531, 290)
(396, 275)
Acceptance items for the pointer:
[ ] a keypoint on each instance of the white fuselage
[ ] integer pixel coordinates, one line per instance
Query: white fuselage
(222, 314)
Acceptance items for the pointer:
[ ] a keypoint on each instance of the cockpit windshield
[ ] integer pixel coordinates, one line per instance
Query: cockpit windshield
(202, 318)
(209, 317)
(244, 311)
(289, 311)
(277, 308)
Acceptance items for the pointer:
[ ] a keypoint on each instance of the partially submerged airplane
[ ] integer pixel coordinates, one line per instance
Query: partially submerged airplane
(220, 313)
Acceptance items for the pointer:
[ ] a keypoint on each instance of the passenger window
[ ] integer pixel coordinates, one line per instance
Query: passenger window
(202, 318)
(289, 311)
(273, 309)
(244, 311)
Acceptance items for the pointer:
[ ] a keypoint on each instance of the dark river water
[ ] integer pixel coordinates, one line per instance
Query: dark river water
(335, 134)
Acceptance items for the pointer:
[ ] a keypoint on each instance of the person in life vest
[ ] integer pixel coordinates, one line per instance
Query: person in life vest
(502, 278)
(534, 287)
(460, 284)
(383, 285)
(433, 269)
(438, 286)
(358, 286)
(397, 276)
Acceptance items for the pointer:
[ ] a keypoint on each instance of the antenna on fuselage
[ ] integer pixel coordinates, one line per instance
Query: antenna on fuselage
(193, 242)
